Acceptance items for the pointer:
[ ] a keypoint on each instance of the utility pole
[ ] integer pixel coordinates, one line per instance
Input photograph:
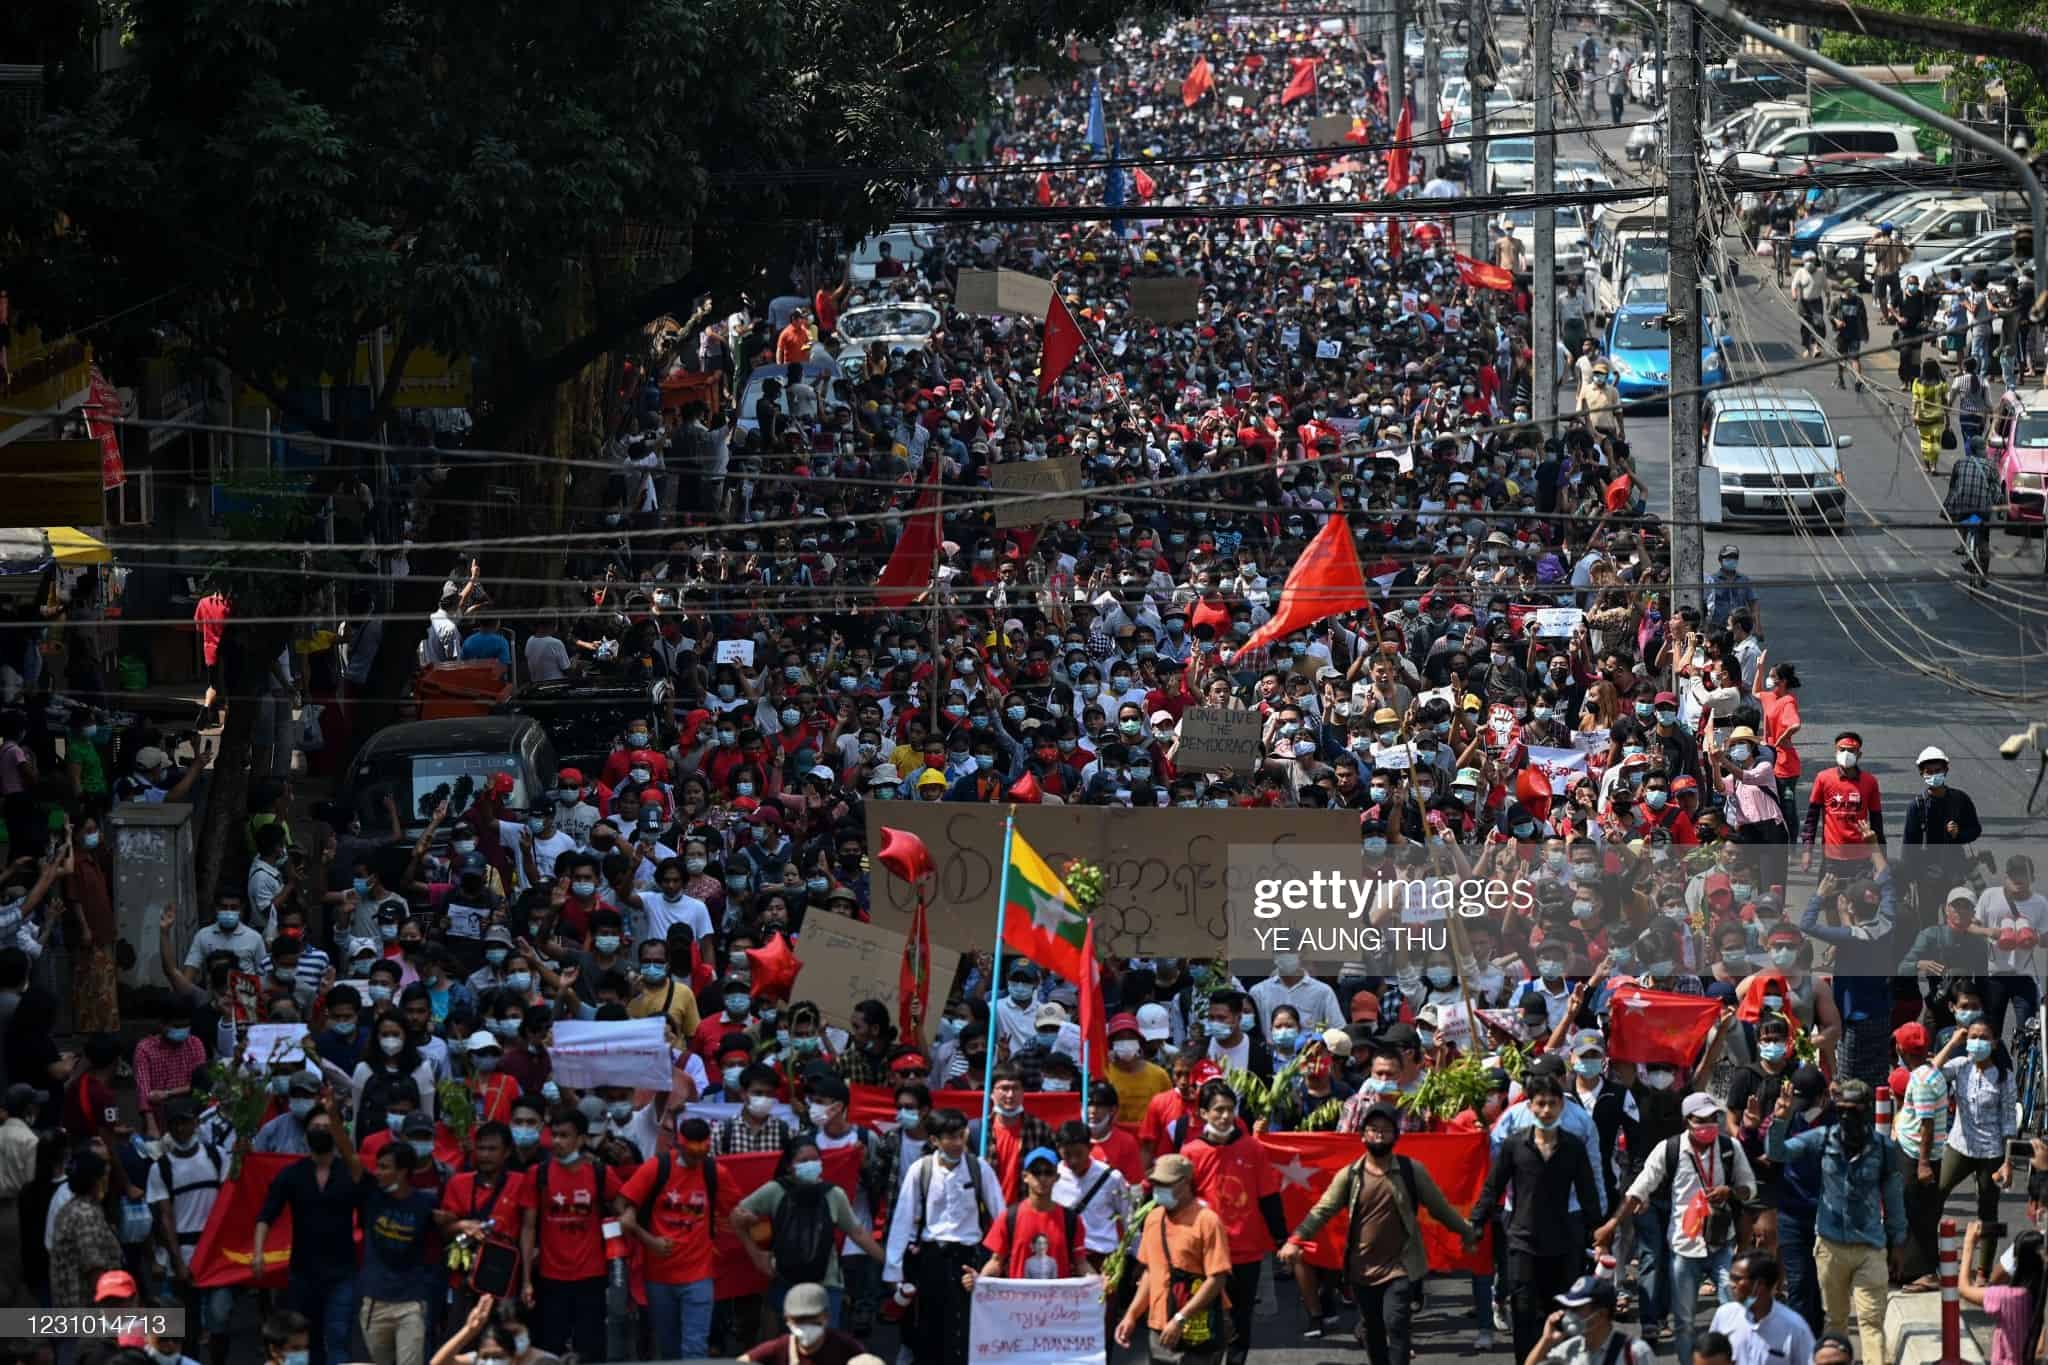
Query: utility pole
(1475, 176)
(1682, 168)
(1397, 59)
(1428, 121)
(1543, 285)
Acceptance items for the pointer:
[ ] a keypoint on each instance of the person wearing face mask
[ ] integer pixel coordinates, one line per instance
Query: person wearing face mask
(1230, 1046)
(1860, 1223)
(164, 1062)
(1949, 950)
(1136, 1079)
(184, 1182)
(226, 933)
(802, 1211)
(826, 1124)
(1234, 1176)
(398, 1279)
(757, 1127)
(1315, 1004)
(1941, 823)
(946, 1203)
(287, 1131)
(1016, 1013)
(669, 1205)
(1845, 811)
(1544, 1168)
(322, 1195)
(1981, 1083)
(1183, 1251)
(562, 1242)
(1582, 1331)
(1921, 1131)
(1383, 1258)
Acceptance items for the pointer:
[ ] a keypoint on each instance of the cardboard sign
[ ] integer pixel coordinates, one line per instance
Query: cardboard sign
(1171, 876)
(1559, 765)
(739, 652)
(1166, 299)
(1329, 349)
(1557, 623)
(1290, 338)
(1002, 291)
(1329, 130)
(1213, 737)
(630, 1052)
(1037, 476)
(271, 1045)
(1036, 1321)
(847, 961)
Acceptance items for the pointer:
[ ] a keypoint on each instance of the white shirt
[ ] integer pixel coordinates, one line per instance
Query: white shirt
(1314, 1001)
(1108, 1207)
(443, 641)
(685, 909)
(1782, 1338)
(1686, 1180)
(199, 1177)
(950, 1212)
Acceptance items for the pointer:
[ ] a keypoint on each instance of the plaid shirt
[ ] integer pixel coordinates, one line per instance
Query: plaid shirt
(858, 1066)
(1972, 488)
(737, 1135)
(165, 1066)
(82, 1248)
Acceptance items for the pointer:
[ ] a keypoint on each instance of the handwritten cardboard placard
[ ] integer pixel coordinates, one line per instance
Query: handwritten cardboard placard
(1037, 476)
(1036, 1322)
(847, 961)
(1166, 299)
(1172, 876)
(1002, 291)
(1213, 737)
(739, 652)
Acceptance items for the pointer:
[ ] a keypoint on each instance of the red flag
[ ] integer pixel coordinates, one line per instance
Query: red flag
(226, 1246)
(914, 979)
(1359, 134)
(1658, 1027)
(1481, 275)
(1062, 344)
(1026, 791)
(1143, 183)
(1445, 123)
(1094, 1025)
(1306, 1163)
(874, 1106)
(909, 570)
(1044, 195)
(1302, 83)
(102, 422)
(774, 969)
(1393, 239)
(734, 1275)
(1324, 581)
(1201, 79)
(1397, 155)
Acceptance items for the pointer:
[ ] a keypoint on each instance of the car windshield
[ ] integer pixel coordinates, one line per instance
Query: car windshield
(1640, 332)
(1526, 218)
(2032, 432)
(1772, 429)
(421, 782)
(1512, 149)
(901, 246)
(1646, 255)
(880, 322)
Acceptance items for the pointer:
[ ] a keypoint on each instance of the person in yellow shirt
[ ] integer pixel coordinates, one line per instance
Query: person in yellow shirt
(661, 993)
(1136, 1080)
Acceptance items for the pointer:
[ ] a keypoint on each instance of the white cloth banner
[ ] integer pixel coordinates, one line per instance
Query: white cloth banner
(1556, 764)
(1557, 623)
(1037, 1322)
(630, 1052)
(715, 1112)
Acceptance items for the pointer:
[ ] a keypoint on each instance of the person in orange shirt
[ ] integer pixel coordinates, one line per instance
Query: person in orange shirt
(793, 343)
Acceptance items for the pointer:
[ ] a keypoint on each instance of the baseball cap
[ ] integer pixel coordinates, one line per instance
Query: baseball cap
(149, 757)
(805, 1301)
(1038, 1154)
(1123, 1023)
(21, 1097)
(1911, 1037)
(482, 1040)
(1338, 1041)
(1588, 1291)
(1170, 1169)
(114, 1284)
(1700, 1105)
(1365, 1005)
(1152, 1023)
(1049, 1014)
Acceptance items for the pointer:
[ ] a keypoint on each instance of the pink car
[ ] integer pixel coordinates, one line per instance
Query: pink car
(2019, 443)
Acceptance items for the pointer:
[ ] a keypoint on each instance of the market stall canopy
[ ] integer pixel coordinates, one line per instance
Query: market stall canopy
(72, 547)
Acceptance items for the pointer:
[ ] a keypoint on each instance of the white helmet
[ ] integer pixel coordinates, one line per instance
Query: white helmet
(1930, 754)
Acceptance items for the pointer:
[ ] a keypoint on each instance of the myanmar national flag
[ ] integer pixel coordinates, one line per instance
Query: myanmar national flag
(1040, 919)
(1658, 1027)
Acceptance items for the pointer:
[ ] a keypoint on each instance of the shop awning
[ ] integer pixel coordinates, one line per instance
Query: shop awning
(72, 547)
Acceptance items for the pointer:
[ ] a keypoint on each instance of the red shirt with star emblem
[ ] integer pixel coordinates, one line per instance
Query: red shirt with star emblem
(1231, 1178)
(569, 1218)
(1845, 801)
(469, 1196)
(682, 1213)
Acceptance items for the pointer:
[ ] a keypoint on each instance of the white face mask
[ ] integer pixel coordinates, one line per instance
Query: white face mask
(808, 1334)
(1126, 1049)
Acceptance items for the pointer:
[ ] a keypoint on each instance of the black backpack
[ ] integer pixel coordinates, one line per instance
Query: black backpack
(806, 1238)
(661, 1174)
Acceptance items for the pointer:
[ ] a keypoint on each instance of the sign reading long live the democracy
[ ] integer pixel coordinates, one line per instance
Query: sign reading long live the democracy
(1037, 1322)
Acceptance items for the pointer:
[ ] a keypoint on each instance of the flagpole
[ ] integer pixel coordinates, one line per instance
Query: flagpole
(938, 556)
(995, 995)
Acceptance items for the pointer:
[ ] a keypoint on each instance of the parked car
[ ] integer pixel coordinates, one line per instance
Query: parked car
(1510, 164)
(1937, 230)
(2019, 443)
(896, 327)
(1775, 454)
(421, 763)
(584, 717)
(1750, 128)
(1794, 149)
(821, 372)
(1568, 242)
(1639, 348)
(1991, 251)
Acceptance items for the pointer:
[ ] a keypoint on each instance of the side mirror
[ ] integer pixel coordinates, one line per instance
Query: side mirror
(1997, 443)
(1844, 440)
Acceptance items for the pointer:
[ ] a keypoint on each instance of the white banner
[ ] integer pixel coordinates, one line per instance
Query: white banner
(1556, 764)
(1037, 1322)
(715, 1112)
(630, 1052)
(271, 1045)
(1557, 623)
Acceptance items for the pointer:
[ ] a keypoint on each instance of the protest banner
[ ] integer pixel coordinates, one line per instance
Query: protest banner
(630, 1052)
(1037, 1322)
(1166, 300)
(739, 1176)
(225, 1255)
(739, 652)
(847, 961)
(1037, 476)
(1169, 875)
(1003, 291)
(874, 1106)
(1213, 737)
(1557, 623)
(1559, 765)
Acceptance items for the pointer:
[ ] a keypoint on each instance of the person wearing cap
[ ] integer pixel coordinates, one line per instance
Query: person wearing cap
(946, 1204)
(811, 1339)
(1860, 1224)
(1383, 1257)
(1136, 1079)
(1703, 1168)
(1036, 1238)
(1582, 1331)
(1949, 949)
(1542, 1167)
(1941, 824)
(1183, 1294)
(1235, 1176)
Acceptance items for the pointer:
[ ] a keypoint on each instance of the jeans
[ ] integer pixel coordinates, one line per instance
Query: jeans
(1653, 1266)
(330, 1306)
(1244, 1296)
(1795, 1255)
(1386, 1319)
(863, 1275)
(1955, 1169)
(570, 1312)
(1687, 1274)
(682, 1318)
(2002, 993)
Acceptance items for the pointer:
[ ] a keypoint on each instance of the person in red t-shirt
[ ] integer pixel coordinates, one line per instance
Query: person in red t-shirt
(561, 1241)
(679, 1194)
(1234, 1177)
(211, 616)
(1110, 1144)
(1168, 1108)
(1844, 801)
(1036, 1239)
(486, 1203)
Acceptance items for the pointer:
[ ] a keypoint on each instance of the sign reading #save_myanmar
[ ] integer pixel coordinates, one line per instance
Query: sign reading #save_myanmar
(1036, 1322)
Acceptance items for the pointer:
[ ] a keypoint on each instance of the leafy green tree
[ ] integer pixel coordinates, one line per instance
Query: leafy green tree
(2026, 87)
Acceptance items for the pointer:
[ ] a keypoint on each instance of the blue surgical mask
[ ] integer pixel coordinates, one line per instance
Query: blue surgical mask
(227, 921)
(1285, 1038)
(808, 1172)
(423, 1148)
(1772, 1052)
(177, 1035)
(1022, 991)
(1965, 1018)
(654, 973)
(1979, 1049)
(521, 982)
(1217, 1028)
(496, 956)
(737, 1005)
(1048, 1036)
(361, 885)
(1590, 1067)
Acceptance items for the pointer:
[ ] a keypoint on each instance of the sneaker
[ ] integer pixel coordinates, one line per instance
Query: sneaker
(1482, 1340)
(1314, 1331)
(1500, 1317)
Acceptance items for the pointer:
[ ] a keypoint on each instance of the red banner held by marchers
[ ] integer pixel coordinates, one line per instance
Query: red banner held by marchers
(1306, 1163)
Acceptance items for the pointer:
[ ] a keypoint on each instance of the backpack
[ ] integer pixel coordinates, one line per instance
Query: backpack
(805, 1236)
(597, 1169)
(1720, 1227)
(924, 1194)
(661, 1174)
(175, 1191)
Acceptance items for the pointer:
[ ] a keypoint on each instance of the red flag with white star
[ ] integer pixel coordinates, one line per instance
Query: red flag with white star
(1658, 1027)
(1306, 1163)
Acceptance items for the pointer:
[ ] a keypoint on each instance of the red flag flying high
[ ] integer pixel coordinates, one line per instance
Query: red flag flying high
(1306, 1163)
(1481, 275)
(909, 570)
(1143, 183)
(1397, 155)
(1302, 83)
(1658, 1027)
(1062, 344)
(1324, 581)
(1201, 79)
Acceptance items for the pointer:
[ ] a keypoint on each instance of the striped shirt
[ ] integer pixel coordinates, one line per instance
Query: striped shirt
(306, 979)
(1984, 1108)
(1923, 1110)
